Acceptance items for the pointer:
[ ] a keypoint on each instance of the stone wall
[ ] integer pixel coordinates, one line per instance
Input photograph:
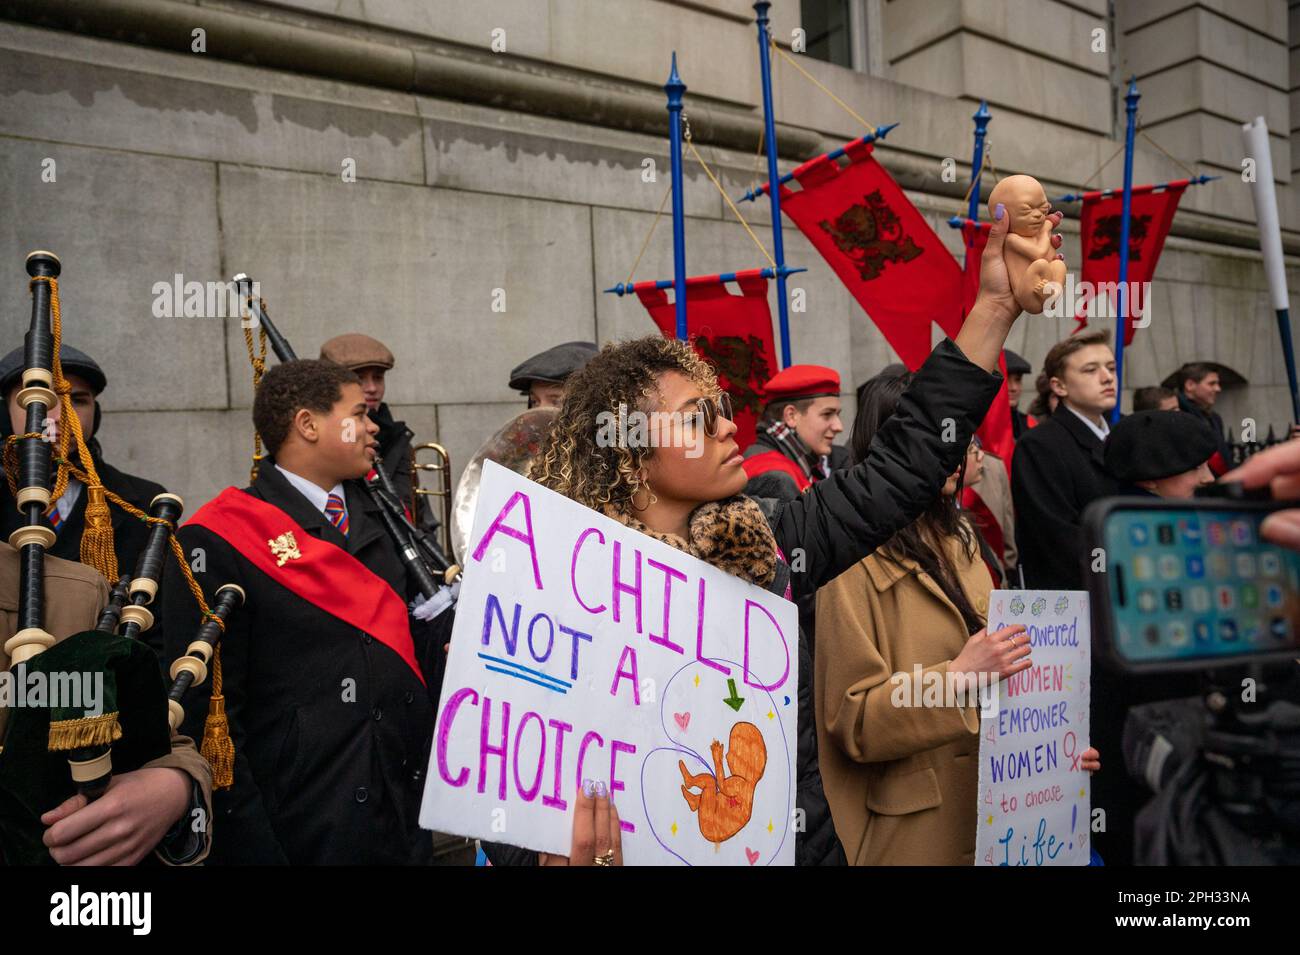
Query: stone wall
(169, 161)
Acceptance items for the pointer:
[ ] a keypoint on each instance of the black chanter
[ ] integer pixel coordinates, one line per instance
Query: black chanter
(423, 559)
(192, 669)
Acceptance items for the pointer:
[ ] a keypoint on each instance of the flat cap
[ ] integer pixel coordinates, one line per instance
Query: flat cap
(74, 362)
(355, 350)
(554, 364)
(802, 381)
(1015, 364)
(1149, 445)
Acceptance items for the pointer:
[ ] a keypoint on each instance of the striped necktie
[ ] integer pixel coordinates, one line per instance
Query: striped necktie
(337, 513)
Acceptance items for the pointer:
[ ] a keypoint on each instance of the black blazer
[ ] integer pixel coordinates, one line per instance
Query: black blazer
(1056, 472)
(331, 728)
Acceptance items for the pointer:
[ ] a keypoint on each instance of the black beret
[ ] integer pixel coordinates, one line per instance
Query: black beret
(554, 364)
(1015, 364)
(74, 362)
(1149, 445)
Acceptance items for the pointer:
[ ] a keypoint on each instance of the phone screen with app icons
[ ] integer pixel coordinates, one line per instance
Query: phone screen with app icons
(1197, 584)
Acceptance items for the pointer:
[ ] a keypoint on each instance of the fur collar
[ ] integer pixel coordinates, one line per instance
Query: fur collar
(732, 535)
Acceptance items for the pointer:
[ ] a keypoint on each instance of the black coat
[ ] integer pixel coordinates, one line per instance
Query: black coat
(320, 778)
(1056, 472)
(1215, 423)
(129, 534)
(1019, 423)
(843, 518)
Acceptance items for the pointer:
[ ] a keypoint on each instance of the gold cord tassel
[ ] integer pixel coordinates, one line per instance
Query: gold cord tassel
(217, 747)
(97, 539)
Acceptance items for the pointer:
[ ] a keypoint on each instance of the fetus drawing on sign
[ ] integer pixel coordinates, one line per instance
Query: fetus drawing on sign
(724, 802)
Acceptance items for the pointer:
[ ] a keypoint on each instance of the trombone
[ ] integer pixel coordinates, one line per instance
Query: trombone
(442, 467)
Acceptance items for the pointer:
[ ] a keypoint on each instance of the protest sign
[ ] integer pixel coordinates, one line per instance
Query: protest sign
(583, 649)
(1033, 794)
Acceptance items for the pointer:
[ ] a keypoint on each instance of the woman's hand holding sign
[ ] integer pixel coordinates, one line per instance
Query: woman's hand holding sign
(1004, 652)
(597, 837)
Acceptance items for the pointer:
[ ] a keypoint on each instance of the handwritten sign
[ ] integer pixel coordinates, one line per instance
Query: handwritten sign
(1033, 795)
(583, 649)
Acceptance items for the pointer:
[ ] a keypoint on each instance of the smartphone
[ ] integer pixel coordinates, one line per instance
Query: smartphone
(1190, 584)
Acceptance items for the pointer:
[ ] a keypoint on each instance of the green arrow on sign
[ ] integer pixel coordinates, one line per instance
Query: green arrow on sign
(733, 701)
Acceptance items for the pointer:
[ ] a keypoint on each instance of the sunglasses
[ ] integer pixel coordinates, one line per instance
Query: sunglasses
(712, 409)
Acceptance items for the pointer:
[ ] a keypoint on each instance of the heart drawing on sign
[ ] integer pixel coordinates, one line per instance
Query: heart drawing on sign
(751, 855)
(683, 720)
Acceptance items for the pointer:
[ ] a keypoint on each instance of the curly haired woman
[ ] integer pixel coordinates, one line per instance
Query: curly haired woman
(685, 488)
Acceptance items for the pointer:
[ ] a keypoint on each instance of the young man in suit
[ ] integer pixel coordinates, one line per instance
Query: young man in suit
(1057, 469)
(324, 672)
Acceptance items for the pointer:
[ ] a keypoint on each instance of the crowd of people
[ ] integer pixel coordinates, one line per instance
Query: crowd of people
(329, 686)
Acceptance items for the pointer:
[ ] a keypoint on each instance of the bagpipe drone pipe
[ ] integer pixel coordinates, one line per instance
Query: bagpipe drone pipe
(81, 708)
(424, 560)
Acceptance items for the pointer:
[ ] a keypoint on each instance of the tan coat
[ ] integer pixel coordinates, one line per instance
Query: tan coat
(901, 780)
(74, 596)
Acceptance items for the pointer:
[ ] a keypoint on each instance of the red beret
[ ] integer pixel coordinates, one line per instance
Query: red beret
(802, 381)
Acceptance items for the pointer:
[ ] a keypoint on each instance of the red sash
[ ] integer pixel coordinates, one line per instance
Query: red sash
(367, 602)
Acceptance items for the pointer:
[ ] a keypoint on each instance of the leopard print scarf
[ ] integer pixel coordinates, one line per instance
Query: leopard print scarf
(732, 535)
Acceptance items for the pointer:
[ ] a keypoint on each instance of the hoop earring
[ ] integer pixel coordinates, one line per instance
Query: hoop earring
(643, 483)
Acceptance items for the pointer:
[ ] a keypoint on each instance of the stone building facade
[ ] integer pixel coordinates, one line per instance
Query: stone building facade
(508, 158)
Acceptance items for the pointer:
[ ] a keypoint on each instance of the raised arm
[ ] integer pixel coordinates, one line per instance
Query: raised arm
(843, 518)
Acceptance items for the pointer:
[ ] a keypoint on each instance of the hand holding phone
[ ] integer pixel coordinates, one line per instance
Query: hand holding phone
(1278, 469)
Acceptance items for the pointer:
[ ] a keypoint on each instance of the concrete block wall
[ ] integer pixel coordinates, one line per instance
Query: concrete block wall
(173, 163)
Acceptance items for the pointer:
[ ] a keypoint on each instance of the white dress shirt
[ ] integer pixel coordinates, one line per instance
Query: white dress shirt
(314, 492)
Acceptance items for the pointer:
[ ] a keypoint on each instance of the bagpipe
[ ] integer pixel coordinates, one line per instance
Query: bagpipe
(426, 562)
(98, 701)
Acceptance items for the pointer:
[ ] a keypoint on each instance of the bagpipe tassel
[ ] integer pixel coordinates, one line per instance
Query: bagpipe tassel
(97, 538)
(217, 746)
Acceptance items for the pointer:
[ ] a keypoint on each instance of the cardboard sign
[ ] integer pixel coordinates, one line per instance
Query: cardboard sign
(1033, 794)
(583, 649)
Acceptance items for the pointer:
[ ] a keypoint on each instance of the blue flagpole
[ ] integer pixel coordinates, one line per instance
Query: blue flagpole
(981, 117)
(1131, 107)
(627, 288)
(675, 88)
(880, 132)
(1108, 193)
(769, 135)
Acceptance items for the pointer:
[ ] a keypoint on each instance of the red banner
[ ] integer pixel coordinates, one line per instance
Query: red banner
(733, 333)
(1099, 226)
(881, 248)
